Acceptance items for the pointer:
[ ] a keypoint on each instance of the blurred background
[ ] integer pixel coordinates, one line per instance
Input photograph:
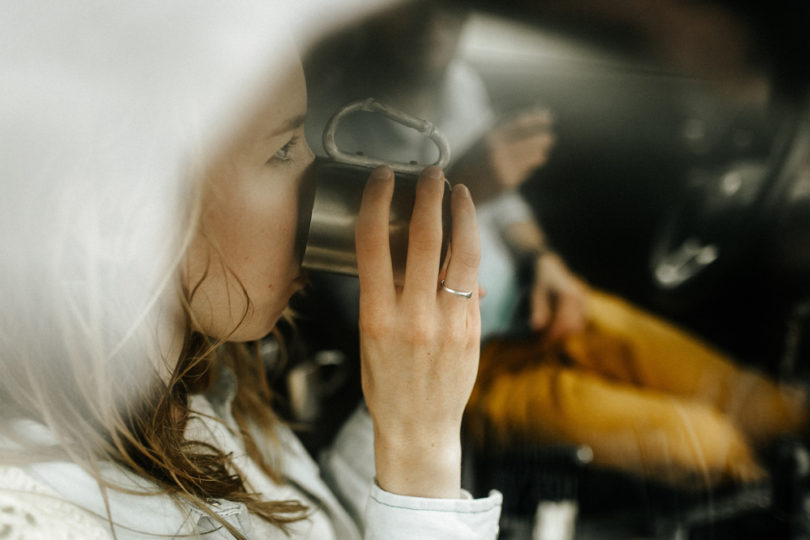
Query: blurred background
(677, 177)
(674, 123)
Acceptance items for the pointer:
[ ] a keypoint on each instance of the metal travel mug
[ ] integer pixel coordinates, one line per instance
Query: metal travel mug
(332, 191)
(326, 232)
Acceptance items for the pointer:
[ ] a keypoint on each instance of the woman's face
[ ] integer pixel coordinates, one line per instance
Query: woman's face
(241, 268)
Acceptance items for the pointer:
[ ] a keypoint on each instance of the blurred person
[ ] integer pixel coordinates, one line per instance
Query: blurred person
(646, 396)
(152, 156)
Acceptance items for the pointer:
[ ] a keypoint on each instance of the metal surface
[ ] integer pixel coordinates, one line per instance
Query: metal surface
(338, 190)
(370, 105)
(330, 195)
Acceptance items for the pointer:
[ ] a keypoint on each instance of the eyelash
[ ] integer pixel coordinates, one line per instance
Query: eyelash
(283, 154)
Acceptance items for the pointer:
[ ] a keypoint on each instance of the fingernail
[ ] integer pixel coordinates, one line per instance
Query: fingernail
(462, 191)
(433, 172)
(382, 172)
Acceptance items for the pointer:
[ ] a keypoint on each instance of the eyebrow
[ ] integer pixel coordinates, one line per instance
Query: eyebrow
(290, 124)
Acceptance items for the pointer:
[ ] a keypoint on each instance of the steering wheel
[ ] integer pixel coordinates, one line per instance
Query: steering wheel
(743, 187)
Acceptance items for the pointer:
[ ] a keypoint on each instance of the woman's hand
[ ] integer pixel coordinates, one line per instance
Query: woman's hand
(419, 343)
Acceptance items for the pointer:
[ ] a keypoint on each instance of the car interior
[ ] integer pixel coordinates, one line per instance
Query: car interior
(680, 181)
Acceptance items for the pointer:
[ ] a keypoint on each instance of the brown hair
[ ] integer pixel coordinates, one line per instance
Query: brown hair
(199, 472)
(75, 397)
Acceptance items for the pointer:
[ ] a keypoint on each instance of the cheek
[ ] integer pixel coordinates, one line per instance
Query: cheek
(242, 210)
(215, 298)
(261, 230)
(267, 251)
(255, 235)
(245, 250)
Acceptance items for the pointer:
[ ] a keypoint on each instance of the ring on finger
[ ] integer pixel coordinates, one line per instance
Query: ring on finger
(465, 294)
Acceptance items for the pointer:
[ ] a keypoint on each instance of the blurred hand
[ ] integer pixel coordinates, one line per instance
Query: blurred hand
(520, 145)
(419, 344)
(558, 298)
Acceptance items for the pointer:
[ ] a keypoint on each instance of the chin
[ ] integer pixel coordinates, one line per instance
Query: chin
(250, 334)
(262, 318)
(255, 327)
(268, 323)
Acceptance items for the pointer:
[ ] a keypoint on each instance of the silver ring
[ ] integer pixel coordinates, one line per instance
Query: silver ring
(465, 294)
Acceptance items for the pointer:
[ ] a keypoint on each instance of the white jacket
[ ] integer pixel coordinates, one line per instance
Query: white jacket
(61, 500)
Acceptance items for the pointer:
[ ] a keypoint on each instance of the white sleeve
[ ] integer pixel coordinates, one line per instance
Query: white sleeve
(348, 468)
(393, 517)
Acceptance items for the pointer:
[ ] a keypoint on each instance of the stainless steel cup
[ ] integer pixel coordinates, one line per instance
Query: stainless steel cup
(330, 201)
